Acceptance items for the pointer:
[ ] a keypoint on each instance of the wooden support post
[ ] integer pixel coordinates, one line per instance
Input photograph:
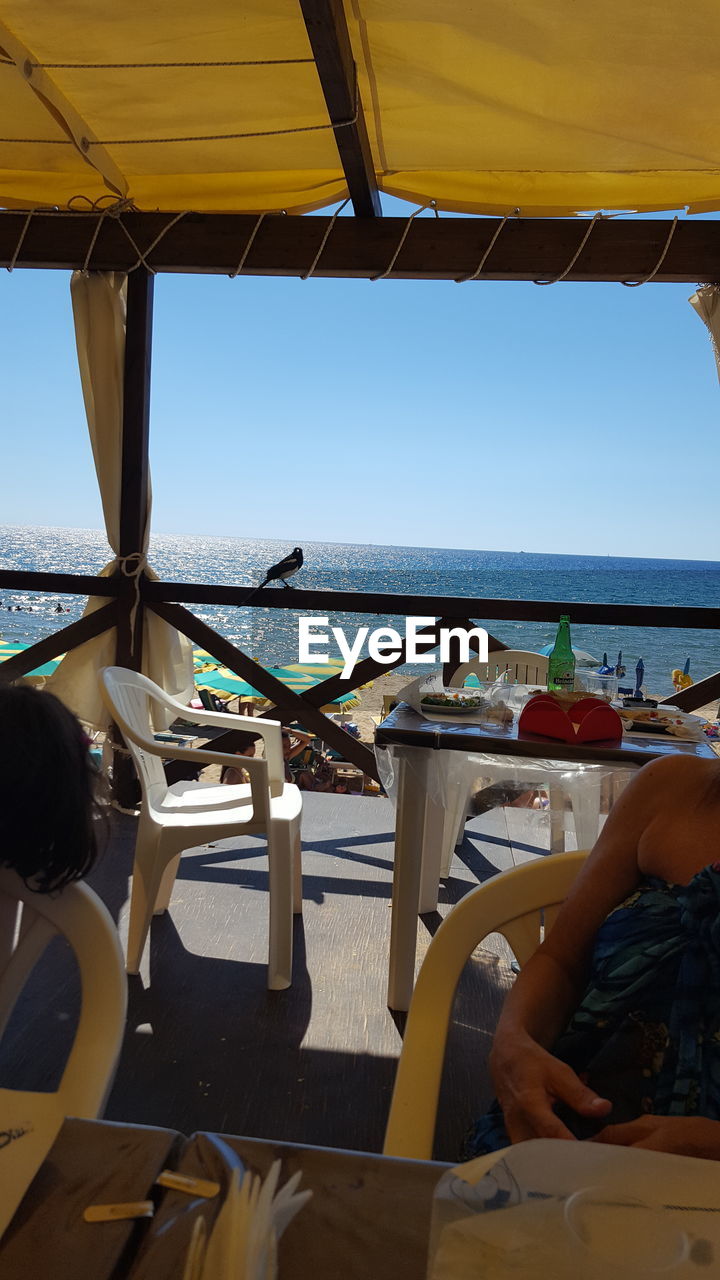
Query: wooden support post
(133, 495)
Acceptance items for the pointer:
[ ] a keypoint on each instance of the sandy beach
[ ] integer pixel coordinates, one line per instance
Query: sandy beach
(371, 701)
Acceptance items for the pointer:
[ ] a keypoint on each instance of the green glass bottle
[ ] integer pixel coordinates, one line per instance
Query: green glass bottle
(561, 663)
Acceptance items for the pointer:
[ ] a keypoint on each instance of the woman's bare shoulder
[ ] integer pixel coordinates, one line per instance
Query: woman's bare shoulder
(678, 769)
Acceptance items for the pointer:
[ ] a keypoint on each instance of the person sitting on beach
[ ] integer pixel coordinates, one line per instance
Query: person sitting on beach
(312, 775)
(246, 747)
(294, 743)
(48, 808)
(612, 1029)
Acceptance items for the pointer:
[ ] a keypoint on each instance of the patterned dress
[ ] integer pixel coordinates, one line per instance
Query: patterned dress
(646, 1034)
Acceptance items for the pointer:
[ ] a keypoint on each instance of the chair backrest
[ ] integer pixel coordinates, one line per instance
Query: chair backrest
(206, 698)
(389, 701)
(78, 915)
(129, 698)
(519, 904)
(521, 665)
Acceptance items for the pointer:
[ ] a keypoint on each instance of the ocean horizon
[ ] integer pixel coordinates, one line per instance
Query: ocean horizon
(271, 636)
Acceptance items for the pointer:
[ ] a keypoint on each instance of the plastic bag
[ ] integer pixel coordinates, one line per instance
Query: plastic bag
(488, 702)
(564, 1210)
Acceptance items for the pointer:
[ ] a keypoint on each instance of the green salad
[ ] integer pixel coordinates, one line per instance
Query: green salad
(453, 698)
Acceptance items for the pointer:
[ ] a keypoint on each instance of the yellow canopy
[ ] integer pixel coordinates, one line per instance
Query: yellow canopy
(553, 107)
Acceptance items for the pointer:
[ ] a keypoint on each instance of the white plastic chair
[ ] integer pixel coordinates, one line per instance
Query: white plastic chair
(519, 904)
(187, 814)
(521, 666)
(33, 1120)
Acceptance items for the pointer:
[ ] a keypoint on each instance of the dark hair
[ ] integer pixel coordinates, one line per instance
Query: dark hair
(47, 790)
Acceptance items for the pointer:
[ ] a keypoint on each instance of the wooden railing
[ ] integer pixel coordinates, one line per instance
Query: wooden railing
(166, 599)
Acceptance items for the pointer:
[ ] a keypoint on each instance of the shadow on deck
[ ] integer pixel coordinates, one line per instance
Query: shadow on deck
(209, 1047)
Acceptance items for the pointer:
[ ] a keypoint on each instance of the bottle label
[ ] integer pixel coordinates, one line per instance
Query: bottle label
(564, 680)
(561, 674)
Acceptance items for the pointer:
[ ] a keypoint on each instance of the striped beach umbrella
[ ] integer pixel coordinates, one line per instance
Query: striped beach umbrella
(8, 649)
(323, 671)
(225, 681)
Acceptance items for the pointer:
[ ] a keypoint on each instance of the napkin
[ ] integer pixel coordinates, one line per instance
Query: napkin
(243, 1241)
(232, 1236)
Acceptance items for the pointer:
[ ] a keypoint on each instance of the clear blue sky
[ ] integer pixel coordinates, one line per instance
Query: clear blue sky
(574, 418)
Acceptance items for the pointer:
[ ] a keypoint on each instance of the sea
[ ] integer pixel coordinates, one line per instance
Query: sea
(271, 635)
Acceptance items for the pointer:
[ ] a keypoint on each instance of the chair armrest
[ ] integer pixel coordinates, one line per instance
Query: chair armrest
(268, 730)
(257, 770)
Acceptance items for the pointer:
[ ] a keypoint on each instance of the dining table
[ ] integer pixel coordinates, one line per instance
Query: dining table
(417, 743)
(369, 1215)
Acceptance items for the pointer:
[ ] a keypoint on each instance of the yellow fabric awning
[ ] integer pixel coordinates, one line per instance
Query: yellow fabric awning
(552, 108)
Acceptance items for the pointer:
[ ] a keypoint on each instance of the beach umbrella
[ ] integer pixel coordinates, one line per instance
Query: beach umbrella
(582, 657)
(323, 671)
(226, 681)
(8, 649)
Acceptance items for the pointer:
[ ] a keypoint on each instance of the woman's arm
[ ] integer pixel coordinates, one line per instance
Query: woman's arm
(681, 1135)
(528, 1079)
(300, 742)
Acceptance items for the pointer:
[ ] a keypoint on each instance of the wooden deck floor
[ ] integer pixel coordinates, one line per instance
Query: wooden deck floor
(208, 1047)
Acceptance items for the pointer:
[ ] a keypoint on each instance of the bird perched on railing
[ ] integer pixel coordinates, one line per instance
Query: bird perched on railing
(281, 571)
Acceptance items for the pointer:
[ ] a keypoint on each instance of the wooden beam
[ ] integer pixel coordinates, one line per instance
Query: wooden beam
(382, 604)
(435, 248)
(59, 642)
(71, 584)
(134, 490)
(696, 695)
(136, 411)
(134, 485)
(456, 607)
(290, 705)
(330, 42)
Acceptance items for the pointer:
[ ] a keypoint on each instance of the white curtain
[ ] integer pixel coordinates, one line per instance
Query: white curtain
(707, 304)
(99, 309)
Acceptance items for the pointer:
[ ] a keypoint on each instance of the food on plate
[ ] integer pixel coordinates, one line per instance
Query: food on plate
(453, 699)
(464, 701)
(655, 720)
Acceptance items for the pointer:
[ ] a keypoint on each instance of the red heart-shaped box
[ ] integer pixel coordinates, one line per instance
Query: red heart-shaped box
(588, 720)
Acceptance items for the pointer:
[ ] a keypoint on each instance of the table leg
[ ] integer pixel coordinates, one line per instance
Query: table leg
(407, 874)
(434, 837)
(585, 797)
(556, 796)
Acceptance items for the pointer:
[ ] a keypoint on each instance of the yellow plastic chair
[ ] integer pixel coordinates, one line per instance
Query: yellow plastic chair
(519, 904)
(28, 922)
(186, 814)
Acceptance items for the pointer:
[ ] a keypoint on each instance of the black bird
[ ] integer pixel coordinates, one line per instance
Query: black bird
(284, 568)
(279, 572)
